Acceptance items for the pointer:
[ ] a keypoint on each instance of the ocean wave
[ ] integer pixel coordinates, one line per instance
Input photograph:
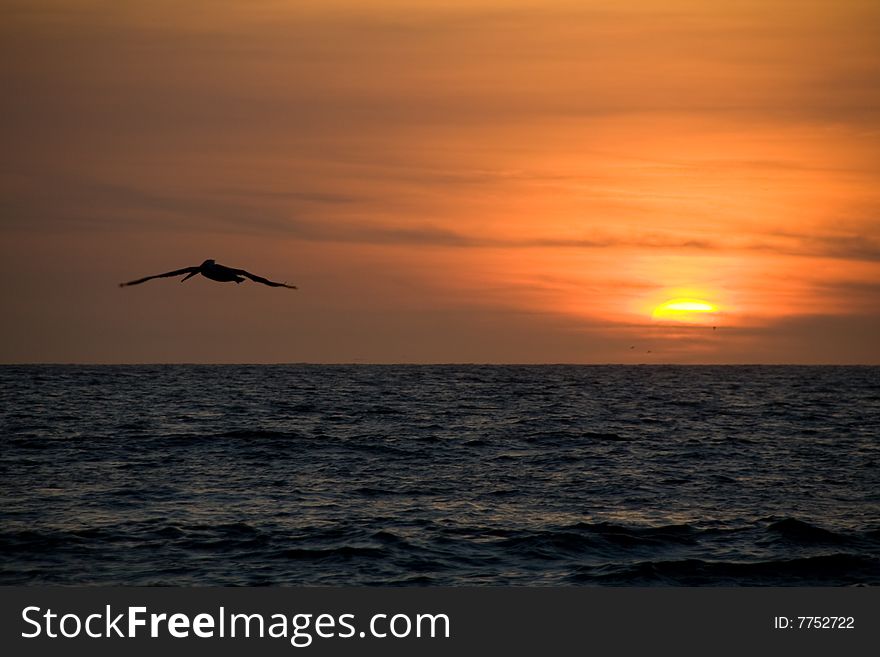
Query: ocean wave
(343, 553)
(598, 537)
(838, 569)
(799, 531)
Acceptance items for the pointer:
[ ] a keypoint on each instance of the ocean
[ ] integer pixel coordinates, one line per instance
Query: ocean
(447, 475)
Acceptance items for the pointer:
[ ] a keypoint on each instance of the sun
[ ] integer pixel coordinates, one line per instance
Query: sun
(685, 310)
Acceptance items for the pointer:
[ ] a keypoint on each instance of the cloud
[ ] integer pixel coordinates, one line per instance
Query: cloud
(855, 247)
(56, 202)
(847, 247)
(63, 202)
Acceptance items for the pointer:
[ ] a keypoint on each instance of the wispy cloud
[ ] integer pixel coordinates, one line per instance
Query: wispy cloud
(58, 202)
(842, 246)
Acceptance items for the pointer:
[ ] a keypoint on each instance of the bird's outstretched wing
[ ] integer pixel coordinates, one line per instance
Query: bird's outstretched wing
(176, 272)
(264, 281)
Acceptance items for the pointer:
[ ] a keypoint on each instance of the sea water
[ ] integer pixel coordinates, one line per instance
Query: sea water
(439, 475)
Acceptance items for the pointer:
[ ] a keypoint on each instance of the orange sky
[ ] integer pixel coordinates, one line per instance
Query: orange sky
(481, 181)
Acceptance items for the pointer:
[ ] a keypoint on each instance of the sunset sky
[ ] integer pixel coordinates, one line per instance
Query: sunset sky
(518, 181)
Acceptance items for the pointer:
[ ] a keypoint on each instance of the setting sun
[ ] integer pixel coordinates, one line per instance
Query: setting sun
(685, 310)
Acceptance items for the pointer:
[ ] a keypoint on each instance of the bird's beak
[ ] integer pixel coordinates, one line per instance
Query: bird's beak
(189, 275)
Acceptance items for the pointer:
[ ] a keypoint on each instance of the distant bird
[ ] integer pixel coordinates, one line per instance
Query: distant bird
(210, 269)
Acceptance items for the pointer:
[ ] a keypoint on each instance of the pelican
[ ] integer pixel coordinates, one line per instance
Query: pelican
(210, 269)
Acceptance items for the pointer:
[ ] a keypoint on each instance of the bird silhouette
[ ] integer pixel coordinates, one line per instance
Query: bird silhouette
(210, 269)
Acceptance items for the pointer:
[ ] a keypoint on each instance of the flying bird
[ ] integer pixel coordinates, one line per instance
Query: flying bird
(210, 269)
